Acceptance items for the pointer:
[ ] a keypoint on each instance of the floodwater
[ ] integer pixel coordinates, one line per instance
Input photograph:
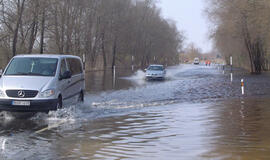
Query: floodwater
(196, 113)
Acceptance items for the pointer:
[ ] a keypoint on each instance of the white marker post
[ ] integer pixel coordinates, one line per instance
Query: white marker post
(231, 62)
(223, 67)
(242, 86)
(113, 76)
(113, 71)
(132, 59)
(4, 144)
(84, 61)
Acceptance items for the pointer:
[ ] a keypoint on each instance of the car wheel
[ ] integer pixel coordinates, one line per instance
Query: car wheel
(59, 104)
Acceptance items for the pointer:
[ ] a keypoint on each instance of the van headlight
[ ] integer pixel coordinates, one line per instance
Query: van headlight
(47, 93)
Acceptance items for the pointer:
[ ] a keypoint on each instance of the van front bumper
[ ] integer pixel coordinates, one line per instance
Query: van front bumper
(35, 105)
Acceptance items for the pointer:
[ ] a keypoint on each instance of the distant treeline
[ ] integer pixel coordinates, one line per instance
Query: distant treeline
(108, 32)
(242, 30)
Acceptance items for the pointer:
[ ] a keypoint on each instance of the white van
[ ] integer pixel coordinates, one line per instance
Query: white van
(40, 83)
(196, 61)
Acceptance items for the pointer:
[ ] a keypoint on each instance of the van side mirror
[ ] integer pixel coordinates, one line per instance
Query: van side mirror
(66, 75)
(1, 72)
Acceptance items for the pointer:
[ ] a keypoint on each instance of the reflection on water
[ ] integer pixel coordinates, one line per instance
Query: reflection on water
(226, 130)
(103, 80)
(241, 130)
(155, 133)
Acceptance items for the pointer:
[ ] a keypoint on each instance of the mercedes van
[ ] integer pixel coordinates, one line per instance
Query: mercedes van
(41, 83)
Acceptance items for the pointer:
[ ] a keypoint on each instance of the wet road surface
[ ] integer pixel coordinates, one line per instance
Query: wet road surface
(197, 113)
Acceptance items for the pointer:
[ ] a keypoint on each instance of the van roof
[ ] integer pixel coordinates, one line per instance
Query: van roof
(47, 55)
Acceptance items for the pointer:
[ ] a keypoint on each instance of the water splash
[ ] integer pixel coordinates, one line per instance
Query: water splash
(137, 78)
(6, 116)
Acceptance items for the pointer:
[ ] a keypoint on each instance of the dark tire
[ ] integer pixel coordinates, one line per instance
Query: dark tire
(59, 104)
(81, 97)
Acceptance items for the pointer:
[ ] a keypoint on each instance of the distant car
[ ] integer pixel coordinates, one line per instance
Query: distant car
(196, 61)
(155, 72)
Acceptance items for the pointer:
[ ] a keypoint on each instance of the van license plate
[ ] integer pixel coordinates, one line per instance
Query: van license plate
(21, 103)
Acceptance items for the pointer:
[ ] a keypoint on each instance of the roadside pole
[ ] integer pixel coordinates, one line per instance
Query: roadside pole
(242, 86)
(231, 63)
(132, 61)
(84, 61)
(223, 68)
(114, 76)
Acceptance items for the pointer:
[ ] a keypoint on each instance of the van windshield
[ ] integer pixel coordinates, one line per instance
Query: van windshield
(32, 66)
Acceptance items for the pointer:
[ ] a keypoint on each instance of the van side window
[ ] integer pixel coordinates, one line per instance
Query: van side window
(74, 65)
(63, 67)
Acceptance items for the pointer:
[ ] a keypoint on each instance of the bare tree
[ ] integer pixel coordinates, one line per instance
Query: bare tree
(107, 32)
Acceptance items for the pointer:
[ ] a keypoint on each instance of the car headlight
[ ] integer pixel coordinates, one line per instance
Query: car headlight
(2, 93)
(47, 93)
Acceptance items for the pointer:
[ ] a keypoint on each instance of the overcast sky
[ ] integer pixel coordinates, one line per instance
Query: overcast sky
(189, 16)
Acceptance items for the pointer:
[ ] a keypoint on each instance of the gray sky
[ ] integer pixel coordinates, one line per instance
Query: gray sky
(189, 16)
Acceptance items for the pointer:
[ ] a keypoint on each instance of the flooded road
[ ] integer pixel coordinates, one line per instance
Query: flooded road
(196, 113)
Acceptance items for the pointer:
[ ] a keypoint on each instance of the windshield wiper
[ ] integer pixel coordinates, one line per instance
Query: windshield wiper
(35, 74)
(29, 73)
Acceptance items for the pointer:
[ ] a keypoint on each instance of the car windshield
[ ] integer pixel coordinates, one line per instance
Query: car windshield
(156, 68)
(32, 66)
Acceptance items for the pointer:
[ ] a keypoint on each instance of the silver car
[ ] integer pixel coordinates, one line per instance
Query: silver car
(155, 72)
(40, 83)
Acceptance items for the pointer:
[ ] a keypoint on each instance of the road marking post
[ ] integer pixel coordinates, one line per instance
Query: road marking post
(4, 144)
(231, 77)
(113, 71)
(84, 61)
(114, 76)
(242, 86)
(223, 67)
(231, 62)
(132, 59)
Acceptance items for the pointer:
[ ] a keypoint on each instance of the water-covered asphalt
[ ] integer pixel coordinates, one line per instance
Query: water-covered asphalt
(196, 113)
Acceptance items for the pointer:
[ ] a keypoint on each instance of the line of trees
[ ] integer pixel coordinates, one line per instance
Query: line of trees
(191, 51)
(108, 32)
(241, 29)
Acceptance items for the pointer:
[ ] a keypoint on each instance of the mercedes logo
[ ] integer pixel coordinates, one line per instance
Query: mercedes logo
(21, 94)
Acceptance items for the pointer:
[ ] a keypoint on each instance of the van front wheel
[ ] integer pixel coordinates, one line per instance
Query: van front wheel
(59, 104)
(81, 97)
